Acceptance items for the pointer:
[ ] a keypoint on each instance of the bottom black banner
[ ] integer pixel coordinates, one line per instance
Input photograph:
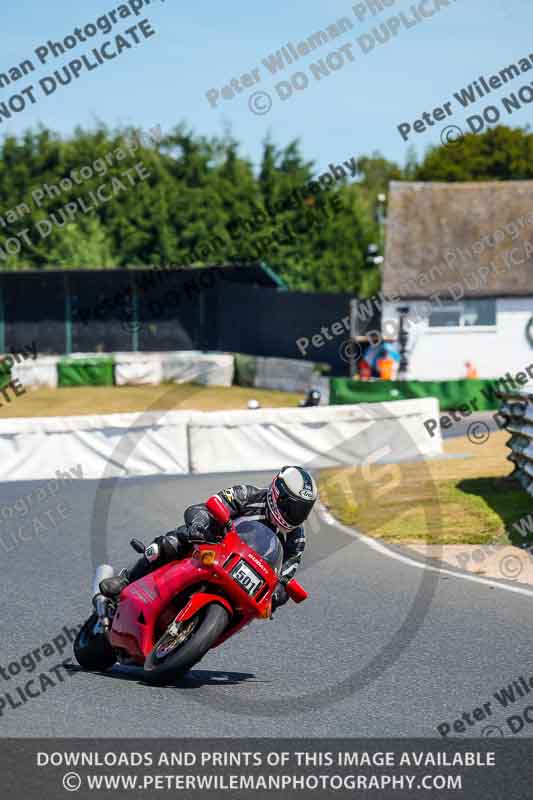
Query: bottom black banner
(261, 768)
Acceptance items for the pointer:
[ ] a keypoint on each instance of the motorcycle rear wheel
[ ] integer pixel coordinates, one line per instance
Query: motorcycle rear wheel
(93, 651)
(163, 667)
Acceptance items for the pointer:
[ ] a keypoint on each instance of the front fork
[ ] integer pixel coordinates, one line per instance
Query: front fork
(105, 609)
(104, 606)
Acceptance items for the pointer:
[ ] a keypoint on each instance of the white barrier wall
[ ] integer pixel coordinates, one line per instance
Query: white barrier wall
(183, 366)
(285, 374)
(107, 445)
(37, 373)
(211, 369)
(135, 369)
(181, 442)
(319, 437)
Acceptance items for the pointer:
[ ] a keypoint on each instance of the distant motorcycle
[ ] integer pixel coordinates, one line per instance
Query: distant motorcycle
(167, 621)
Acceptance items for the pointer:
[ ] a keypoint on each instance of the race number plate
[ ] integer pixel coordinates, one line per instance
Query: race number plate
(246, 577)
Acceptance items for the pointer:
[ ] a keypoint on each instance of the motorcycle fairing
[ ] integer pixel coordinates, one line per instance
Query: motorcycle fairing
(141, 603)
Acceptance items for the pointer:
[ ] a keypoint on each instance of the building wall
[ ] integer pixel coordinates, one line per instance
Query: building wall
(440, 353)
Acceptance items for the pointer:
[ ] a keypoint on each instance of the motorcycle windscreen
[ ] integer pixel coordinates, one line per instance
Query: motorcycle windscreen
(261, 539)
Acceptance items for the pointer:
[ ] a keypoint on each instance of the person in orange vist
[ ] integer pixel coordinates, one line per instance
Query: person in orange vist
(471, 371)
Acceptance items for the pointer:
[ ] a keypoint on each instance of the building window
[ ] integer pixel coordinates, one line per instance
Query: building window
(446, 316)
(468, 314)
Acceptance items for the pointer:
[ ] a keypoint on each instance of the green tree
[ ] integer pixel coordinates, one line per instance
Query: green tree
(499, 154)
(201, 203)
(81, 246)
(376, 172)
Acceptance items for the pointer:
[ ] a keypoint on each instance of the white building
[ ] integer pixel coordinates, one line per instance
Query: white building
(460, 257)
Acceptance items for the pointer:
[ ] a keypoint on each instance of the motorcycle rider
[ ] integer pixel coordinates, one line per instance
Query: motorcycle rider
(283, 507)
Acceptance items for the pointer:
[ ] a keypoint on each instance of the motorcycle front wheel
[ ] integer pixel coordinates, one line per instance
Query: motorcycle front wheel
(183, 645)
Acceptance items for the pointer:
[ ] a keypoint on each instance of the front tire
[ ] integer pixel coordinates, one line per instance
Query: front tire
(209, 624)
(93, 651)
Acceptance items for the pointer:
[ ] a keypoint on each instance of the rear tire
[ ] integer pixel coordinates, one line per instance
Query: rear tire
(210, 627)
(93, 651)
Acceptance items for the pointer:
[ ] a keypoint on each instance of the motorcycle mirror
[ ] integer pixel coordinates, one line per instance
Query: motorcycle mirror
(218, 509)
(296, 591)
(138, 546)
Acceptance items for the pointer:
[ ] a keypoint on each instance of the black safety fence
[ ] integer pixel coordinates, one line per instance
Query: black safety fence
(274, 323)
(231, 309)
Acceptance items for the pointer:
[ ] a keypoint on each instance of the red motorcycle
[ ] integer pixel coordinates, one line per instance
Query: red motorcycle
(168, 620)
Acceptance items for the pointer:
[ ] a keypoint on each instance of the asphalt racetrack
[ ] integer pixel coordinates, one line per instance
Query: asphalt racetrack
(381, 648)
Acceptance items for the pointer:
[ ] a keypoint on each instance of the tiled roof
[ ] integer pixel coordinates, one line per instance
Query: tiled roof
(440, 234)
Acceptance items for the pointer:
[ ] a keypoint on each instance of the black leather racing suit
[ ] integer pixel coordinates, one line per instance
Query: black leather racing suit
(244, 502)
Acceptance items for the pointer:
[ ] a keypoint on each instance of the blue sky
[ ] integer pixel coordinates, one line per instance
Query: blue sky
(353, 111)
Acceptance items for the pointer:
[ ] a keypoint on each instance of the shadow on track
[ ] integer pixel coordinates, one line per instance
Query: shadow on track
(193, 680)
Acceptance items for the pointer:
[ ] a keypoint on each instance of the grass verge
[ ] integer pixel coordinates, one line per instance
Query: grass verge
(72, 401)
(478, 504)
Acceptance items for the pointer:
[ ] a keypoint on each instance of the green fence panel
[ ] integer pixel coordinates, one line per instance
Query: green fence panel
(477, 394)
(245, 369)
(86, 372)
(5, 376)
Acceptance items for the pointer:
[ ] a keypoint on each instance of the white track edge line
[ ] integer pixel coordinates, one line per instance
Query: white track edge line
(381, 548)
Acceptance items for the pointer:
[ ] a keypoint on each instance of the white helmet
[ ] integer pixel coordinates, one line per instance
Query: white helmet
(291, 497)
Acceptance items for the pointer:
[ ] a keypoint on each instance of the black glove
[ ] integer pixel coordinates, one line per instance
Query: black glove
(168, 546)
(200, 534)
(280, 597)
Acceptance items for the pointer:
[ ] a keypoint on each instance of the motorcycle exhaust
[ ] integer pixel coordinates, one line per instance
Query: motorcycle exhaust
(103, 571)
